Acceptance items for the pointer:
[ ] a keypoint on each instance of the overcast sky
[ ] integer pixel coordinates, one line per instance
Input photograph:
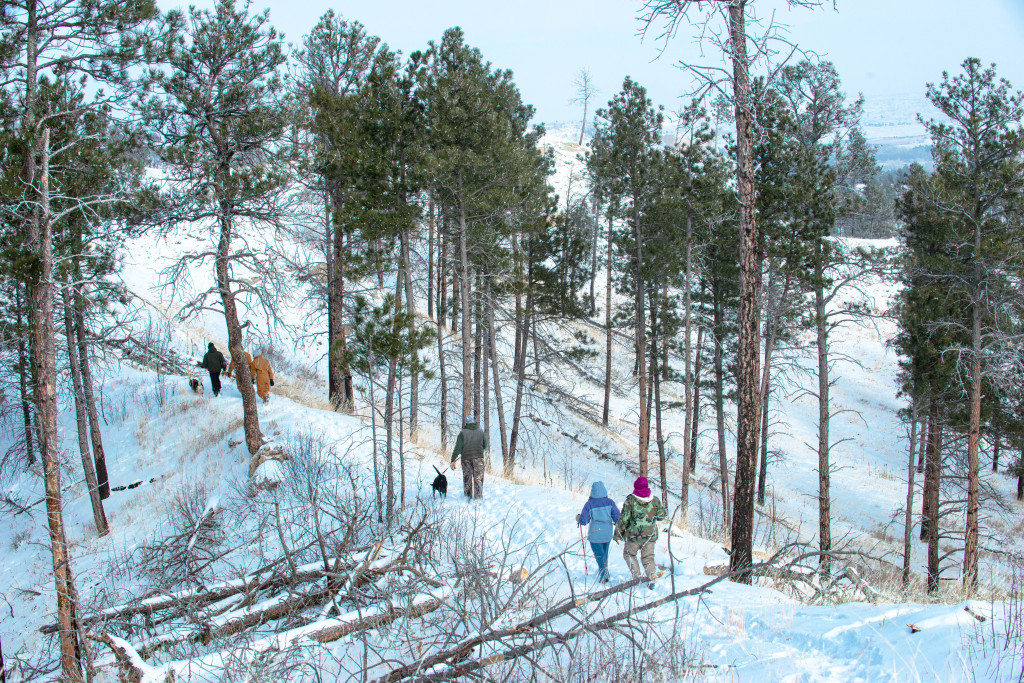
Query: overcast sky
(883, 48)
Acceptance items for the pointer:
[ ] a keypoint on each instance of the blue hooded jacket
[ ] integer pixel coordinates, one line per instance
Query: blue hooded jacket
(601, 513)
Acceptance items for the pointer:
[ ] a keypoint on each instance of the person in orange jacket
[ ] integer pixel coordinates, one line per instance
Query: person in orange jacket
(263, 375)
(248, 361)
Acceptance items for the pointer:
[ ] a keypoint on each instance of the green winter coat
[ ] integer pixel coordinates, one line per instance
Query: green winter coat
(639, 519)
(471, 444)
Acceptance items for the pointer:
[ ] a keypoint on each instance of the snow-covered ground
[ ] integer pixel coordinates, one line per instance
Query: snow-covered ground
(177, 443)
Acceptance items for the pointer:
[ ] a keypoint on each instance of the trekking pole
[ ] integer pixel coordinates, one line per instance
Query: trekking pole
(586, 571)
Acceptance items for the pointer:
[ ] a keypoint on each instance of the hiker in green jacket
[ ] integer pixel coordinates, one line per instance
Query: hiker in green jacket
(638, 527)
(470, 446)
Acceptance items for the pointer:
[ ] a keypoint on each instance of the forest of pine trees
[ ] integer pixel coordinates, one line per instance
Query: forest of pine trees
(418, 190)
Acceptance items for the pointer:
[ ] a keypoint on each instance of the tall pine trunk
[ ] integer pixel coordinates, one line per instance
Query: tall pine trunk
(41, 297)
(250, 415)
(908, 521)
(517, 410)
(641, 344)
(723, 461)
(443, 381)
(687, 368)
(748, 398)
(24, 363)
(608, 329)
(933, 474)
(824, 413)
(656, 382)
(341, 392)
(970, 566)
(431, 229)
(81, 419)
(389, 410)
(477, 358)
(95, 432)
(492, 343)
(467, 319)
(593, 257)
(410, 306)
(694, 432)
(771, 332)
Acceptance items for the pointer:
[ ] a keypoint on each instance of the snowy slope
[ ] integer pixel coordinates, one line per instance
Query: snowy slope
(176, 443)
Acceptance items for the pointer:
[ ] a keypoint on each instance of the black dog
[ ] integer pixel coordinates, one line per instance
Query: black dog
(196, 385)
(440, 484)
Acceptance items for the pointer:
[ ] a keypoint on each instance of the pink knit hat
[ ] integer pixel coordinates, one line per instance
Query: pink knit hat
(640, 488)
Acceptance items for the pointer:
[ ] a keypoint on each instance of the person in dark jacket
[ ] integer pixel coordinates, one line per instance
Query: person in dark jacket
(601, 514)
(470, 446)
(214, 362)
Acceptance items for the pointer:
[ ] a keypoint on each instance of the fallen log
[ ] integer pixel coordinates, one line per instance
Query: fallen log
(132, 667)
(149, 606)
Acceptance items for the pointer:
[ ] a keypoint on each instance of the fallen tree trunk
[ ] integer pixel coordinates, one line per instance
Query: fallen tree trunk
(131, 667)
(149, 606)
(134, 669)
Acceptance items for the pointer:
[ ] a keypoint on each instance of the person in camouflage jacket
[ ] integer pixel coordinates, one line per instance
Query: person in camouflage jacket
(638, 527)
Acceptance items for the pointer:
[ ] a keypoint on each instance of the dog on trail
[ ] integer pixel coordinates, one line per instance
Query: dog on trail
(195, 385)
(440, 484)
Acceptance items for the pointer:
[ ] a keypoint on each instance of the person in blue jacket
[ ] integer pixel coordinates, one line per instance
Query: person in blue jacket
(601, 514)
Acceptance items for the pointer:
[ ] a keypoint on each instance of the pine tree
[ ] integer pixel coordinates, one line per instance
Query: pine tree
(482, 165)
(100, 41)
(335, 61)
(219, 129)
(623, 156)
(974, 195)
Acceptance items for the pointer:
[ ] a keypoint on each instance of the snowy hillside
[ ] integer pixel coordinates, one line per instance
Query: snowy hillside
(441, 579)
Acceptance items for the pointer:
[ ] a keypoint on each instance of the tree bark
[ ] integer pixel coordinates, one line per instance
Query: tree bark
(24, 362)
(40, 297)
(341, 392)
(695, 423)
(723, 461)
(81, 419)
(970, 566)
(410, 306)
(389, 411)
(333, 371)
(922, 447)
(641, 344)
(593, 257)
(996, 439)
(933, 467)
(772, 331)
(908, 522)
(1020, 475)
(95, 432)
(608, 328)
(492, 343)
(485, 401)
(442, 283)
(430, 255)
(467, 337)
(656, 381)
(250, 414)
(762, 472)
(748, 398)
(687, 369)
(926, 456)
(824, 413)
(477, 358)
(520, 383)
